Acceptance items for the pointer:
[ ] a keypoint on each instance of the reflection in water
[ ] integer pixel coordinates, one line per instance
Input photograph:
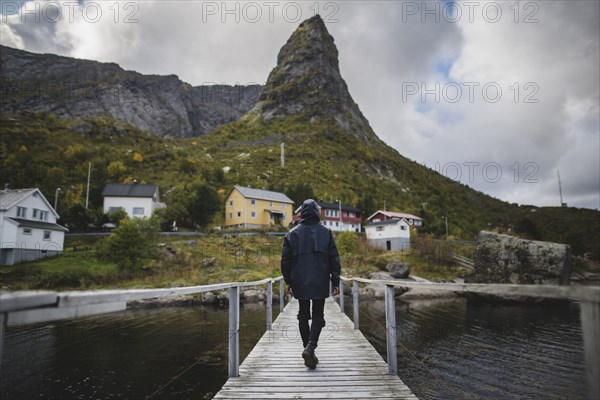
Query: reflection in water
(447, 349)
(126, 355)
(459, 349)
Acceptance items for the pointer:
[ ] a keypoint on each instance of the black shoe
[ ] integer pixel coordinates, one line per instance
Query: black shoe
(310, 360)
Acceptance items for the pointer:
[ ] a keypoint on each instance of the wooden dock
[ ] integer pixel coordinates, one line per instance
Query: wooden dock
(349, 366)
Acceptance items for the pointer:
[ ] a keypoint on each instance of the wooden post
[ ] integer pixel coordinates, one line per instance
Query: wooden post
(341, 295)
(590, 327)
(234, 331)
(355, 300)
(390, 327)
(281, 295)
(270, 305)
(2, 319)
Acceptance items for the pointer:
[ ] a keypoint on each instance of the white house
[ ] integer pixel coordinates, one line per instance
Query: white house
(380, 215)
(393, 234)
(28, 228)
(136, 199)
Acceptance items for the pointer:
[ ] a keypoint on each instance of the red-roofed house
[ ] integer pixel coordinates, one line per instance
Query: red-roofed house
(381, 216)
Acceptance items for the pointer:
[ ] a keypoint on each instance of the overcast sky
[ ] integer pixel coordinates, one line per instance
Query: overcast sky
(499, 95)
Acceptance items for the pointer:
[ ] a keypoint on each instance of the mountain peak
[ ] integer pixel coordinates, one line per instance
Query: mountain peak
(307, 82)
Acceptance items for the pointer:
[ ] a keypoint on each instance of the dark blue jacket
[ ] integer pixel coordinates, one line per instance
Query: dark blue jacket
(310, 258)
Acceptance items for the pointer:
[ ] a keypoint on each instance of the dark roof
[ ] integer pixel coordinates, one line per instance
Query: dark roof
(388, 222)
(132, 190)
(39, 224)
(336, 206)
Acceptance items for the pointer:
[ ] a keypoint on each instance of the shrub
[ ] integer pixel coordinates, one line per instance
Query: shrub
(131, 243)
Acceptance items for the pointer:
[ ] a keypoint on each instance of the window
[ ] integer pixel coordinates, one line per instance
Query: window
(379, 228)
(230, 203)
(43, 215)
(114, 209)
(403, 227)
(270, 204)
(21, 212)
(253, 202)
(283, 206)
(34, 213)
(47, 235)
(230, 215)
(253, 214)
(138, 210)
(26, 231)
(239, 214)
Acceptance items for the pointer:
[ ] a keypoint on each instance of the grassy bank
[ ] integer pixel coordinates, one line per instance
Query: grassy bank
(194, 260)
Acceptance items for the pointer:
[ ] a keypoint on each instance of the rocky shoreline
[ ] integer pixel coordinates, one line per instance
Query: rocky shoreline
(250, 296)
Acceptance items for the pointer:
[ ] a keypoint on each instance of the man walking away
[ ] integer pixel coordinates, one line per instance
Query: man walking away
(309, 260)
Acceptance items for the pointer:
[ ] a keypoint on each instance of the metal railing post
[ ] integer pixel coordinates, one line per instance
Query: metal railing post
(234, 331)
(390, 327)
(590, 327)
(355, 301)
(1, 337)
(341, 295)
(270, 305)
(281, 295)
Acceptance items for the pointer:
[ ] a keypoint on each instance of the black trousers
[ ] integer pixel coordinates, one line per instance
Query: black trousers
(310, 334)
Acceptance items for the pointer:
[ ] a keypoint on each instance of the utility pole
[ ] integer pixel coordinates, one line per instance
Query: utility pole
(445, 218)
(340, 211)
(87, 193)
(560, 190)
(56, 198)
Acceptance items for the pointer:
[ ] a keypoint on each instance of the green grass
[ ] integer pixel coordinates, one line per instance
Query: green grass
(194, 261)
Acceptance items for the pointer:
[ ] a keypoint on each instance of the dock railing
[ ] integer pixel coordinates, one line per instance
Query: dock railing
(588, 298)
(29, 307)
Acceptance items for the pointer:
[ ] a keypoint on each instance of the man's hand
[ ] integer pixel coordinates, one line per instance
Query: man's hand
(335, 291)
(288, 289)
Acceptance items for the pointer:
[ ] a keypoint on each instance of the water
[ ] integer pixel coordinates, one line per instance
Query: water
(459, 349)
(126, 355)
(450, 349)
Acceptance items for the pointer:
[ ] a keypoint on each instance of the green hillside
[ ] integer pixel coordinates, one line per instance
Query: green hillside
(40, 150)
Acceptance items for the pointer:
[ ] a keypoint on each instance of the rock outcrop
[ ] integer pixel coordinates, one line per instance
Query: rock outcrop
(398, 269)
(307, 84)
(507, 259)
(162, 105)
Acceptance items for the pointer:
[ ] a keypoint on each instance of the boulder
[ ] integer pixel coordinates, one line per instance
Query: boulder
(507, 259)
(207, 262)
(398, 269)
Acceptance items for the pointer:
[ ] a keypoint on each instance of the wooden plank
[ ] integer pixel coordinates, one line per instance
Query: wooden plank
(53, 314)
(349, 367)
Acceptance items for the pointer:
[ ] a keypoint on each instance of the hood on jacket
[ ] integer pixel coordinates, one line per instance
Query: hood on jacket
(310, 211)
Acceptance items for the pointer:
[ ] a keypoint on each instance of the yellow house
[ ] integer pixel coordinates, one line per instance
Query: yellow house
(255, 208)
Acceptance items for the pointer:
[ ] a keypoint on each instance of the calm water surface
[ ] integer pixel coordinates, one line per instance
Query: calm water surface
(459, 349)
(447, 349)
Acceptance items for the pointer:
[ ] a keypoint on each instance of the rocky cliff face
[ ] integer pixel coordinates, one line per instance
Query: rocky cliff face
(163, 105)
(307, 83)
(507, 259)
